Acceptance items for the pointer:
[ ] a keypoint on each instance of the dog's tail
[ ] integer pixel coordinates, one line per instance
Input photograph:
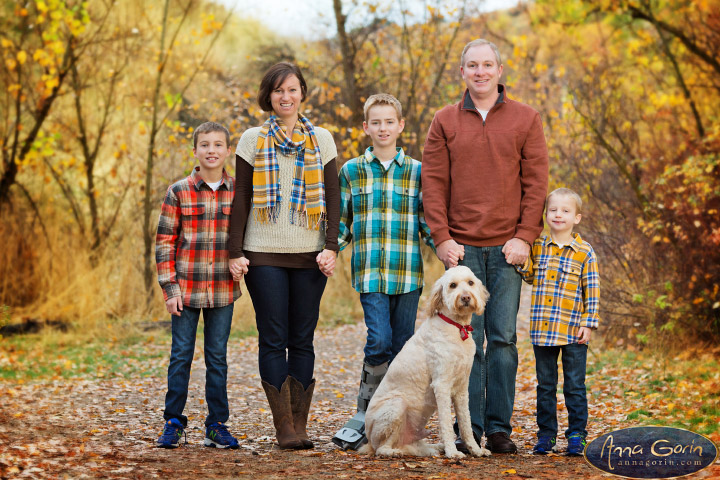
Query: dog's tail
(366, 449)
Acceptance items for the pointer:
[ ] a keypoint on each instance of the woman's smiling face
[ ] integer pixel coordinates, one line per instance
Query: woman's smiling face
(286, 98)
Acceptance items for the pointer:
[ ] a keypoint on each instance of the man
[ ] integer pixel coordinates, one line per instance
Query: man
(485, 176)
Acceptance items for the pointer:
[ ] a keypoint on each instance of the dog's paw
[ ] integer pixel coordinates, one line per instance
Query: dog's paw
(479, 451)
(438, 449)
(453, 453)
(388, 452)
(366, 450)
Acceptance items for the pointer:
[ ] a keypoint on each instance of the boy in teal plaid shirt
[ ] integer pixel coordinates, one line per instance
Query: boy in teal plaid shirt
(381, 211)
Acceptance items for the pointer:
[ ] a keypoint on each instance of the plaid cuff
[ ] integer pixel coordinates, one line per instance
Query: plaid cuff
(171, 290)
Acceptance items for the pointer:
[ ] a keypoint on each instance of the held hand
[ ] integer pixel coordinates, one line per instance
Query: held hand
(516, 251)
(326, 262)
(174, 306)
(239, 267)
(450, 253)
(584, 335)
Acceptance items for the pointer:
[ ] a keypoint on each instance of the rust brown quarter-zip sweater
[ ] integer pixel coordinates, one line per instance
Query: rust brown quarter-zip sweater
(484, 182)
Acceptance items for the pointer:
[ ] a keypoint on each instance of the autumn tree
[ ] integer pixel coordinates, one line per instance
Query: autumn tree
(390, 47)
(641, 92)
(81, 164)
(41, 44)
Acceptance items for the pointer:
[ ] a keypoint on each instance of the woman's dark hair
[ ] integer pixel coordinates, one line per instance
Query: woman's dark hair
(273, 78)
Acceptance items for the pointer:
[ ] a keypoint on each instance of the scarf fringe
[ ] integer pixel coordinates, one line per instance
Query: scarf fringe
(266, 214)
(302, 219)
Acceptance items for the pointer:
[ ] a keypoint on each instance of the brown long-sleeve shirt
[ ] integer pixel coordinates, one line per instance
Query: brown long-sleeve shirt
(485, 181)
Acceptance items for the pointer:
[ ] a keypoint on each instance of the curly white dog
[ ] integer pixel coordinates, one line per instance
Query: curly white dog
(430, 372)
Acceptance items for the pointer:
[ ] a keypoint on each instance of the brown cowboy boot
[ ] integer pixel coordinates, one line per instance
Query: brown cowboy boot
(282, 415)
(300, 400)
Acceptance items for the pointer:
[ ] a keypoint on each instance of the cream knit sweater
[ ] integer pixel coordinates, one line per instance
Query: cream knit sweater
(283, 236)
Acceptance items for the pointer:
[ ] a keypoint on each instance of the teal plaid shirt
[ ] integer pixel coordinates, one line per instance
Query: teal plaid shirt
(381, 211)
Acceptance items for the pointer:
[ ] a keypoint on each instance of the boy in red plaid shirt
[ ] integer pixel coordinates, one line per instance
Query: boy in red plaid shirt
(192, 262)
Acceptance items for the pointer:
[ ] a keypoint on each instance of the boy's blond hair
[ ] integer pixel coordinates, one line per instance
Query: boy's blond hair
(208, 127)
(382, 99)
(568, 193)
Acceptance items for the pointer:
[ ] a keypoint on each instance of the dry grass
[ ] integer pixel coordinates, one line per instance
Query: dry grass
(61, 284)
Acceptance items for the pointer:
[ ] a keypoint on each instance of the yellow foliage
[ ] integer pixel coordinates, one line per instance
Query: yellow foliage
(50, 84)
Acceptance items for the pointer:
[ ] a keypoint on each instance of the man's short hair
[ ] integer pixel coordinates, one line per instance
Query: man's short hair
(382, 99)
(568, 193)
(476, 43)
(208, 127)
(273, 78)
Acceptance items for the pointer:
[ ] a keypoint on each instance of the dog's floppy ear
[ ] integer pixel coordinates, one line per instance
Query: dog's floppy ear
(435, 304)
(482, 295)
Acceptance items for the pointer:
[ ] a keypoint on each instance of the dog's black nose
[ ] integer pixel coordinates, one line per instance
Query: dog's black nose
(465, 299)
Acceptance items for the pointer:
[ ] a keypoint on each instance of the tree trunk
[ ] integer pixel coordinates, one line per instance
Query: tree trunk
(352, 91)
(148, 271)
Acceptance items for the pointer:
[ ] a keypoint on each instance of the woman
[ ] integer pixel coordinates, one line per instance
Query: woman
(283, 240)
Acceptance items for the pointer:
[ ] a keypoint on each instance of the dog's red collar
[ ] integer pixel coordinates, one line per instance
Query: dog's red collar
(464, 329)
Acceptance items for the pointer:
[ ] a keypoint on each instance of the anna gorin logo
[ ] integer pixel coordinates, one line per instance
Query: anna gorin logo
(651, 452)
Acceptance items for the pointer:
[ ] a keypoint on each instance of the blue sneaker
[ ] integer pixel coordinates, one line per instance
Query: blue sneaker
(217, 436)
(544, 446)
(576, 444)
(171, 435)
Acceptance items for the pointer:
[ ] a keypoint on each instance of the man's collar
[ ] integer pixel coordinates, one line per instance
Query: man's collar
(399, 155)
(468, 104)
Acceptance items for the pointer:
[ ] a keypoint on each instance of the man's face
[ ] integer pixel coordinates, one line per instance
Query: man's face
(481, 71)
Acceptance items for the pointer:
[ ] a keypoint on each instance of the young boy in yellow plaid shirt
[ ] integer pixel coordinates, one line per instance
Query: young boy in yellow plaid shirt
(562, 269)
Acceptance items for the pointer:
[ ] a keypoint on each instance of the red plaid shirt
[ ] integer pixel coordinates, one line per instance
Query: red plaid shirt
(191, 244)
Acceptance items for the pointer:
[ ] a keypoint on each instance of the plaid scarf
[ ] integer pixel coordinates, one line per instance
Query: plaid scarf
(307, 196)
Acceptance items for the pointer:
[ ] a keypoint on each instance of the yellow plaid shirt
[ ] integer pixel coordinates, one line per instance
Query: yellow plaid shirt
(566, 290)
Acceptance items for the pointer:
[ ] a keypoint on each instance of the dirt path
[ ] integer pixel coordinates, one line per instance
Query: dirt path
(107, 428)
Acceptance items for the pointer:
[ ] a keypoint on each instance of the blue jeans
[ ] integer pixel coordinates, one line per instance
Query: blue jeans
(390, 322)
(216, 328)
(574, 358)
(287, 307)
(492, 378)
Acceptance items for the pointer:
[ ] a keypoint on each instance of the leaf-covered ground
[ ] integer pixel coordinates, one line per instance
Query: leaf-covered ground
(97, 413)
